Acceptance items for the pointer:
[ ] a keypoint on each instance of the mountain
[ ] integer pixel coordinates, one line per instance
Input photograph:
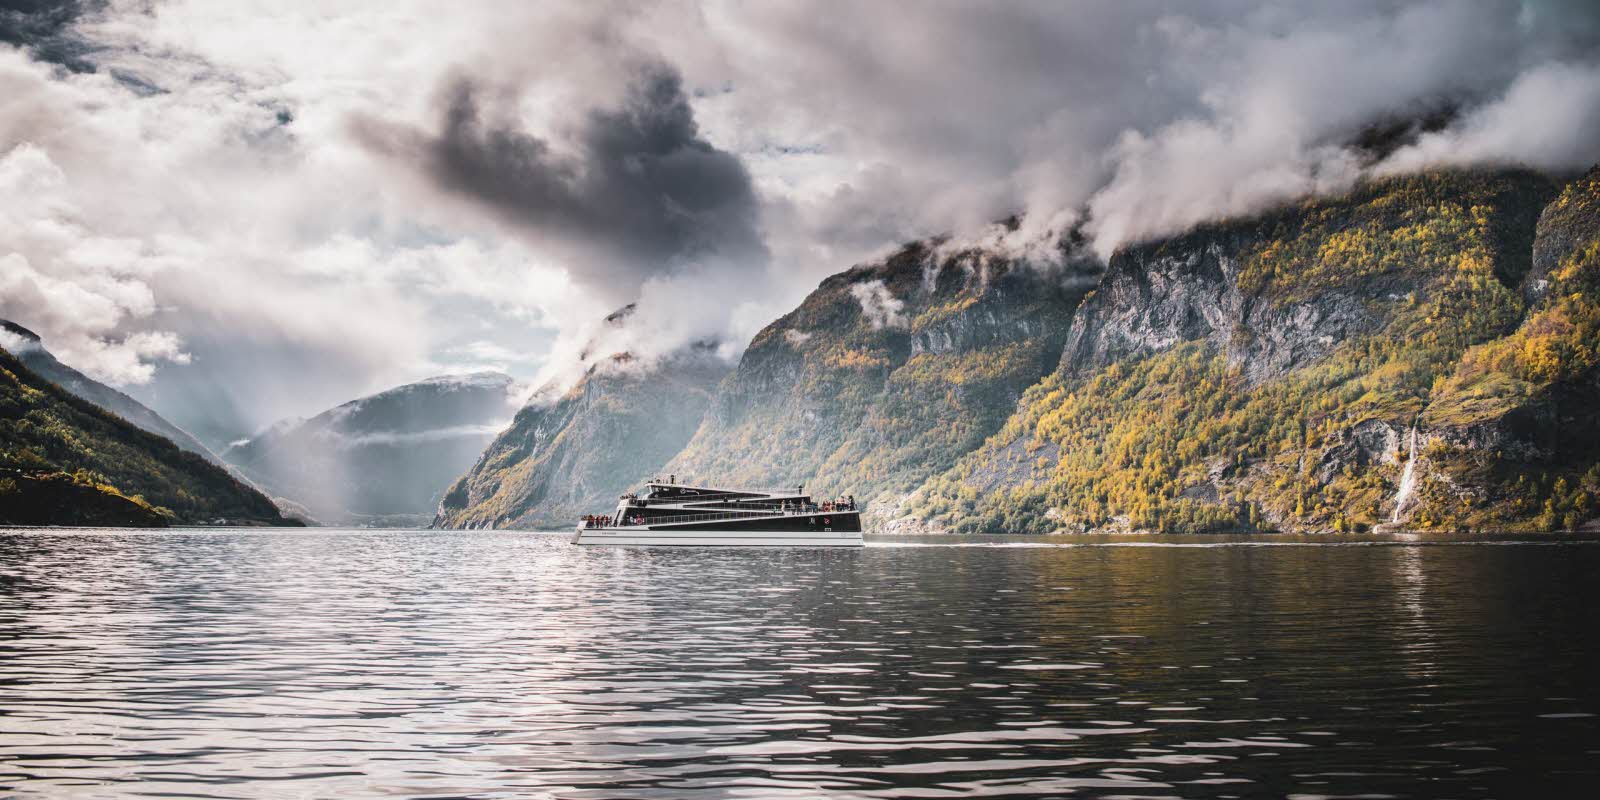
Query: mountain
(66, 461)
(1419, 353)
(30, 350)
(890, 372)
(381, 460)
(571, 452)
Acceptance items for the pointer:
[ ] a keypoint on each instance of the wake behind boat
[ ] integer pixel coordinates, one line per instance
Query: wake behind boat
(670, 513)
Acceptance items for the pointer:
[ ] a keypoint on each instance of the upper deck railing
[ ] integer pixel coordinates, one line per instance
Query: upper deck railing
(791, 489)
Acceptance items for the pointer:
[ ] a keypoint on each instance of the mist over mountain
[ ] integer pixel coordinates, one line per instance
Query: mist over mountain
(384, 459)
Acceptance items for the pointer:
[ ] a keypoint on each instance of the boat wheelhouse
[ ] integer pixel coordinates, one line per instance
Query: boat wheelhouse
(671, 513)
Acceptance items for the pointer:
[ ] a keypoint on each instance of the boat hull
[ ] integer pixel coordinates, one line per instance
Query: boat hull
(716, 538)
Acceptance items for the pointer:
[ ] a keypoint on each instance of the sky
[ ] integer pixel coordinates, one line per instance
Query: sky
(241, 211)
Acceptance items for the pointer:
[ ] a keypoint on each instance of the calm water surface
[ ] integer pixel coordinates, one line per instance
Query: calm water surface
(344, 663)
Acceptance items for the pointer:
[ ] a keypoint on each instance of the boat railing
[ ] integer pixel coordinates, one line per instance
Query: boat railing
(792, 489)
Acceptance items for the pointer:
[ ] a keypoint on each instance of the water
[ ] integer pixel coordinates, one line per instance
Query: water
(344, 664)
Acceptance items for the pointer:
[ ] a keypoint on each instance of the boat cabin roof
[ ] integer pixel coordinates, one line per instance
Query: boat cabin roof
(668, 490)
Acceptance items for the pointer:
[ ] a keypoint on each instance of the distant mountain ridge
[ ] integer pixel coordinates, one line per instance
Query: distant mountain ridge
(383, 459)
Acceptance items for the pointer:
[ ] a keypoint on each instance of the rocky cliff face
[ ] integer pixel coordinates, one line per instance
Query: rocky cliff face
(382, 460)
(1188, 289)
(888, 373)
(1267, 374)
(572, 452)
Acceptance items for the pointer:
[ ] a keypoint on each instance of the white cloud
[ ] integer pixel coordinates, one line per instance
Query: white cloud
(879, 305)
(73, 286)
(1548, 118)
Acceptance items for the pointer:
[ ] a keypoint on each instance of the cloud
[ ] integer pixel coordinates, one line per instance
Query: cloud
(44, 27)
(1280, 112)
(879, 305)
(1546, 119)
(349, 441)
(1149, 117)
(635, 191)
(74, 286)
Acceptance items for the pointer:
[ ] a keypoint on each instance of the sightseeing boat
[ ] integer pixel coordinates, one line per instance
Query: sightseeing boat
(671, 513)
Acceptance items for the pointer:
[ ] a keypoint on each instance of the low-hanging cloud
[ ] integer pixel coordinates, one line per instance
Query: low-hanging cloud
(1136, 119)
(1546, 119)
(879, 305)
(635, 190)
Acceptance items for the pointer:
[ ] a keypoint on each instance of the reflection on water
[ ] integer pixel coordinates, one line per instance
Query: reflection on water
(329, 663)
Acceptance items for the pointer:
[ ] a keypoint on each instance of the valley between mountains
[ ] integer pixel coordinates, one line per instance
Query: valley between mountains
(1421, 352)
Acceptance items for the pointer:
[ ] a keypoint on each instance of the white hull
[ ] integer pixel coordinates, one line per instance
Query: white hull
(714, 538)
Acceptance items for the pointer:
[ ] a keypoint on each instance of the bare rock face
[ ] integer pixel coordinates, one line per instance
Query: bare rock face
(1185, 289)
(1373, 359)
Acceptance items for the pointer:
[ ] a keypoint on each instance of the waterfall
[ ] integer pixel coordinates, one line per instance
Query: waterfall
(1408, 478)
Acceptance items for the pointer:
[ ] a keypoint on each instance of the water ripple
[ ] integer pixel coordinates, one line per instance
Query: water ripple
(246, 664)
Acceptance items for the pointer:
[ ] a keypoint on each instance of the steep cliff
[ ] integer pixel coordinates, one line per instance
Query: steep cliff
(381, 460)
(569, 453)
(1512, 438)
(889, 372)
(66, 461)
(1268, 374)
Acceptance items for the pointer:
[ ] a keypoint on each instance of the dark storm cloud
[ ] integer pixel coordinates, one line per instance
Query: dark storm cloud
(43, 27)
(637, 190)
